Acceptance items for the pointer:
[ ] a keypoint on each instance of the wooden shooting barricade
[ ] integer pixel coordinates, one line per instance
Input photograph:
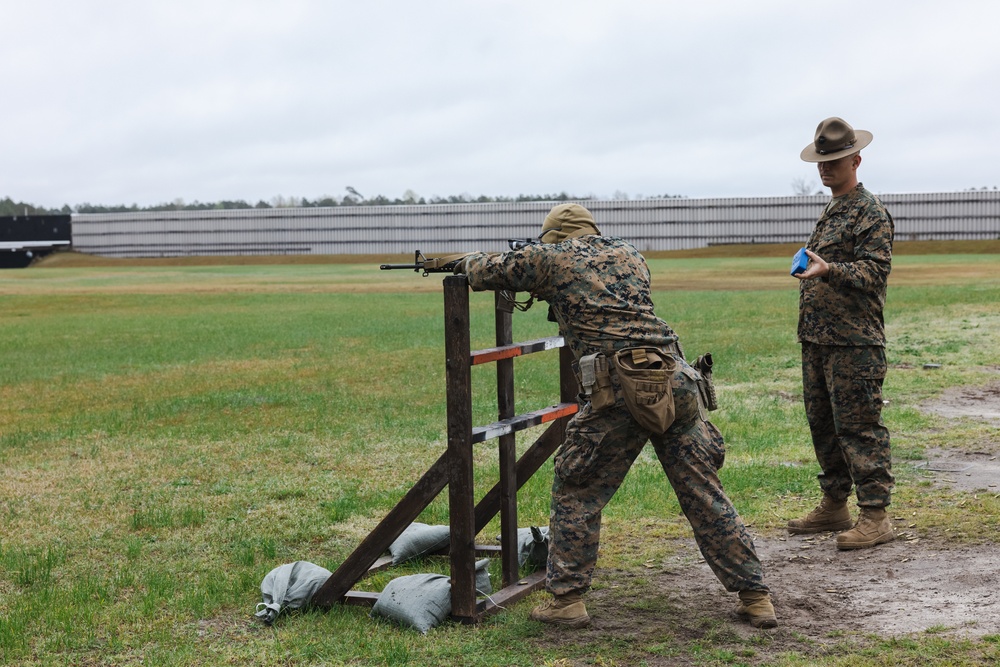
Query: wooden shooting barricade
(454, 469)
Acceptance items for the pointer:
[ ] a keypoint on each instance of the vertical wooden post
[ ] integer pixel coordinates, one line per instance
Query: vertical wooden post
(507, 447)
(569, 388)
(461, 492)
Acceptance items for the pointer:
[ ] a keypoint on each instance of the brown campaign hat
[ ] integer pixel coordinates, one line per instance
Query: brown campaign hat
(835, 138)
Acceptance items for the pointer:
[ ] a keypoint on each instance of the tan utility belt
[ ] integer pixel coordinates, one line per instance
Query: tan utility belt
(646, 375)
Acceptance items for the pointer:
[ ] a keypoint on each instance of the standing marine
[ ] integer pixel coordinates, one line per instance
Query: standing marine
(636, 388)
(842, 332)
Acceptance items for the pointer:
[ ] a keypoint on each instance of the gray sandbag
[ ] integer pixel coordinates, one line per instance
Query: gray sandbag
(483, 584)
(418, 539)
(423, 601)
(532, 546)
(419, 601)
(289, 586)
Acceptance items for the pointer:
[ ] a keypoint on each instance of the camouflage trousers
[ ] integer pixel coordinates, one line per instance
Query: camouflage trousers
(599, 450)
(842, 391)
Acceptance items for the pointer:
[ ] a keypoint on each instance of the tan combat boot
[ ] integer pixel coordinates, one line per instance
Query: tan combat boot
(567, 610)
(873, 527)
(829, 515)
(756, 607)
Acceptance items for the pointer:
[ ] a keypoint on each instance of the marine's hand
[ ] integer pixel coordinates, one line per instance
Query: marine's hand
(459, 267)
(817, 268)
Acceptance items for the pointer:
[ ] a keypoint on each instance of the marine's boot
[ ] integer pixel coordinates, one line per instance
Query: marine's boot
(829, 515)
(567, 610)
(873, 527)
(756, 607)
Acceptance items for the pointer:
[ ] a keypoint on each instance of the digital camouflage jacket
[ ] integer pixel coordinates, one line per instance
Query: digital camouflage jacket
(597, 287)
(854, 235)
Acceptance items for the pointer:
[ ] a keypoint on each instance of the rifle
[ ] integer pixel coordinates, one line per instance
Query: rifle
(445, 264)
(518, 244)
(448, 263)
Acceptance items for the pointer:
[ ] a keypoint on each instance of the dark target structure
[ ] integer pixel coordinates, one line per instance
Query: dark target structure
(454, 469)
(25, 238)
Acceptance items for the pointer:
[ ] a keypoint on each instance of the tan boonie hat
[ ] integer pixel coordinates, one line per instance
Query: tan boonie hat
(835, 139)
(567, 221)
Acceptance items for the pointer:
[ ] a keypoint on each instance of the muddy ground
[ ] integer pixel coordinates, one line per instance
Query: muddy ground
(824, 596)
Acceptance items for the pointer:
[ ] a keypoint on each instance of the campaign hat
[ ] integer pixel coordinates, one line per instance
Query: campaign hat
(835, 138)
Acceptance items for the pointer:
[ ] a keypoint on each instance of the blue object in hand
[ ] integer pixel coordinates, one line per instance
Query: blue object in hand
(800, 261)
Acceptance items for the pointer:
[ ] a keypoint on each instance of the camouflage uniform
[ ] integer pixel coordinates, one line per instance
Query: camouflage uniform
(843, 348)
(599, 293)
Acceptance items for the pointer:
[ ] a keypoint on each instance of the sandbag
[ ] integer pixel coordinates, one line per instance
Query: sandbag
(532, 546)
(484, 586)
(419, 601)
(423, 601)
(418, 539)
(289, 586)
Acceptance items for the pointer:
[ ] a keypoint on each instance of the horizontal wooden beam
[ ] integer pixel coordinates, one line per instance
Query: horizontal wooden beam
(515, 350)
(521, 422)
(505, 597)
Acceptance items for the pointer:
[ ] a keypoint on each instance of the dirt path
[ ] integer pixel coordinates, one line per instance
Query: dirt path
(896, 589)
(824, 596)
(982, 403)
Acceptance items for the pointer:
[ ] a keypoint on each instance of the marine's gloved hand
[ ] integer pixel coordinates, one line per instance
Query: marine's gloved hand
(459, 267)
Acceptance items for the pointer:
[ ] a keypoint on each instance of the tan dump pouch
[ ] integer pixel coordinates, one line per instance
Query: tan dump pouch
(646, 376)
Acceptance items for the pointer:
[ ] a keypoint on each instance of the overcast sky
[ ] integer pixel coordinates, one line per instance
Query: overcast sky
(109, 102)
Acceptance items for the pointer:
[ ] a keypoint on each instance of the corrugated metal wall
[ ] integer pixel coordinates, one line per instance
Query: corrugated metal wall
(651, 224)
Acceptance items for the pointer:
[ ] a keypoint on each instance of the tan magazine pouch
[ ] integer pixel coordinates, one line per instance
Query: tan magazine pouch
(595, 381)
(646, 375)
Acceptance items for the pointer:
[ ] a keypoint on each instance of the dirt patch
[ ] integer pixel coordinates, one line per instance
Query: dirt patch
(822, 597)
(962, 471)
(975, 468)
(981, 403)
(72, 259)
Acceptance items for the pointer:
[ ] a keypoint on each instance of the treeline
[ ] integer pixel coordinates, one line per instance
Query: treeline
(8, 207)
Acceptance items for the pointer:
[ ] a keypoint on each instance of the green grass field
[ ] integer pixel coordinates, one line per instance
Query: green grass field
(171, 433)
